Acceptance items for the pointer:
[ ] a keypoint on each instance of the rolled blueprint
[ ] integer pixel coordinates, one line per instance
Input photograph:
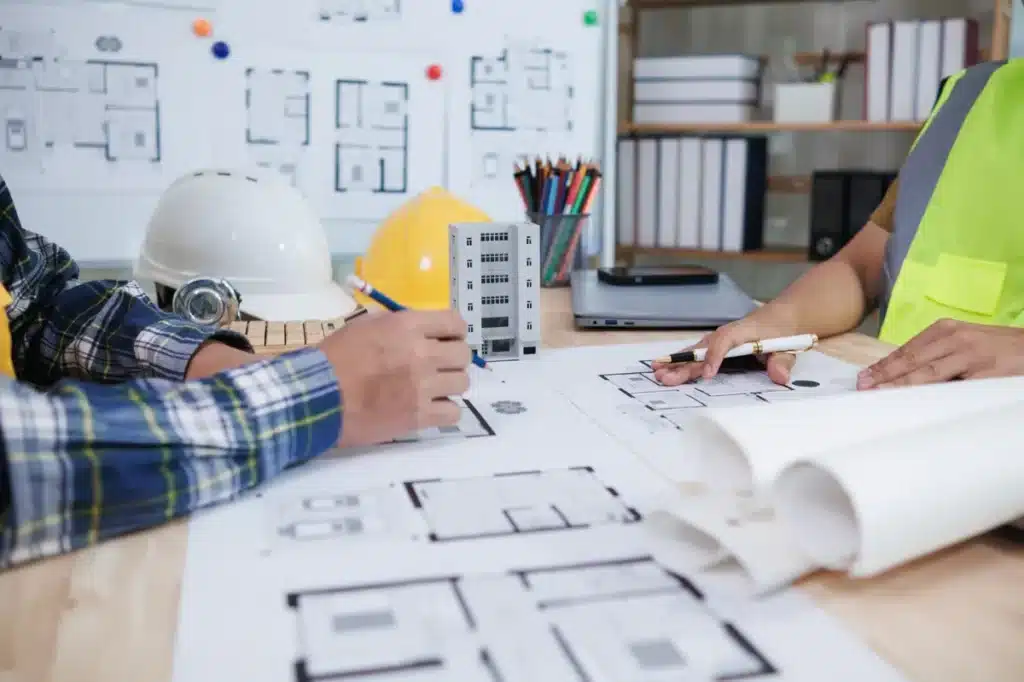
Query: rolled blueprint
(876, 504)
(703, 531)
(747, 447)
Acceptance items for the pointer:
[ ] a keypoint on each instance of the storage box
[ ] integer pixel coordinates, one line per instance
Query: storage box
(696, 89)
(806, 103)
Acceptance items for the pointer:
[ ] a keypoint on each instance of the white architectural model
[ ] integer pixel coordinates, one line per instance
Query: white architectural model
(495, 285)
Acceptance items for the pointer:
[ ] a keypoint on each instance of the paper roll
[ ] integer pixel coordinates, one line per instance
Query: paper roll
(883, 502)
(747, 447)
(705, 530)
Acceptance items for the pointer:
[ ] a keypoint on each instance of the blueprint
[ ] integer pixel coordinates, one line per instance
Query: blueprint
(517, 556)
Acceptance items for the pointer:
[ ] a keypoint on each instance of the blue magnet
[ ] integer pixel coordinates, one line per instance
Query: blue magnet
(458, 6)
(220, 50)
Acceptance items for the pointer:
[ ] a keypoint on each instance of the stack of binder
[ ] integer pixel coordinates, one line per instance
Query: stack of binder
(692, 192)
(907, 60)
(696, 89)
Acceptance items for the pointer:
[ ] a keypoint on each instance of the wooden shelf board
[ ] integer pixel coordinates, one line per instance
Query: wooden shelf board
(682, 4)
(769, 127)
(790, 184)
(768, 255)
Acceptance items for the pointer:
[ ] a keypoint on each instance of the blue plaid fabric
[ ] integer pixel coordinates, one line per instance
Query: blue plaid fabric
(99, 436)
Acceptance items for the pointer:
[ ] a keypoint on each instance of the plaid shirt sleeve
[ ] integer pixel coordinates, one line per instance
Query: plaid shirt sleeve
(87, 462)
(103, 331)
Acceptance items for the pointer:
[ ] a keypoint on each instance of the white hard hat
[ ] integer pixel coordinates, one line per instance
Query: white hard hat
(252, 229)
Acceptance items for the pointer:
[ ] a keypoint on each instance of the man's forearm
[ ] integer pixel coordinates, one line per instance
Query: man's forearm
(827, 300)
(833, 297)
(86, 462)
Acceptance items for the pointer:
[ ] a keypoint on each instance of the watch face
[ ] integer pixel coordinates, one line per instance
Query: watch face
(205, 307)
(206, 301)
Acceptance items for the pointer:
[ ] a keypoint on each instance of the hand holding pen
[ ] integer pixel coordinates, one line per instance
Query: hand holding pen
(743, 338)
(356, 284)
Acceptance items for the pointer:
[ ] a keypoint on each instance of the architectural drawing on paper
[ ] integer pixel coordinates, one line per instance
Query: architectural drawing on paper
(359, 10)
(471, 425)
(671, 405)
(104, 108)
(518, 502)
(372, 145)
(444, 510)
(518, 97)
(278, 125)
(495, 285)
(361, 513)
(626, 619)
(521, 89)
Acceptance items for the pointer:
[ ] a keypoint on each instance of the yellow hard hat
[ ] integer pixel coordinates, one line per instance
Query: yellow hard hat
(408, 256)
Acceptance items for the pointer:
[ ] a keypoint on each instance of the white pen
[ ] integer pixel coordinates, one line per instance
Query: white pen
(783, 344)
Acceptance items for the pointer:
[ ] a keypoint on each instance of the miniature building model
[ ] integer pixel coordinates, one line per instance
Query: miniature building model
(495, 285)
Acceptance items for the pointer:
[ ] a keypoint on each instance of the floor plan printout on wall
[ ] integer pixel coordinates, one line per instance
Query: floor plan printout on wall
(508, 549)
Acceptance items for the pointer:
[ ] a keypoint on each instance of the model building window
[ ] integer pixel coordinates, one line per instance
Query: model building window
(529, 325)
(470, 328)
(529, 304)
(529, 262)
(469, 306)
(529, 284)
(469, 241)
(469, 284)
(469, 263)
(529, 240)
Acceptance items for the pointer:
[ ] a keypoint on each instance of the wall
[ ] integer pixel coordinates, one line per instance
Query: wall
(1017, 29)
(763, 29)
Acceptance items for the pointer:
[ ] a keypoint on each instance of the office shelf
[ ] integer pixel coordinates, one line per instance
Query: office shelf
(768, 127)
(767, 255)
(780, 184)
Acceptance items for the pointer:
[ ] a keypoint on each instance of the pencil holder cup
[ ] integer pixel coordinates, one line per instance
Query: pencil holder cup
(565, 245)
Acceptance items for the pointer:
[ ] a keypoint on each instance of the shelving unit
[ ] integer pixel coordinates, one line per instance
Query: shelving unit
(786, 184)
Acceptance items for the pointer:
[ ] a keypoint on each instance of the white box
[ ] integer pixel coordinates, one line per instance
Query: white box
(698, 66)
(806, 103)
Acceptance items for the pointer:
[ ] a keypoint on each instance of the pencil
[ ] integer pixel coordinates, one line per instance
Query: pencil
(392, 305)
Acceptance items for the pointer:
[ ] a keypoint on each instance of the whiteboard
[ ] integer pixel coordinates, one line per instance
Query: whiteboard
(103, 104)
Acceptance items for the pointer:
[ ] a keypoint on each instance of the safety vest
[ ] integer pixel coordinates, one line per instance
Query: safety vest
(6, 357)
(957, 244)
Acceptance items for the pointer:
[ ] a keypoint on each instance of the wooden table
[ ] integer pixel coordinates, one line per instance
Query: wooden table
(109, 613)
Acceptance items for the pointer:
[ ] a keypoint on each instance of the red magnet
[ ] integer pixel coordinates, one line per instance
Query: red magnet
(434, 72)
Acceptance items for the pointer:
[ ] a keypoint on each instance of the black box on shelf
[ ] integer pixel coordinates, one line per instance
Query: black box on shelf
(841, 202)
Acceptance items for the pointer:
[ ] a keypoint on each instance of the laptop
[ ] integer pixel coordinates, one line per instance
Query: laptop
(697, 306)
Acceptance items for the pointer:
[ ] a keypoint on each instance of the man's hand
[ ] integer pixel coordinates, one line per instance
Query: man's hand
(397, 372)
(949, 350)
(759, 325)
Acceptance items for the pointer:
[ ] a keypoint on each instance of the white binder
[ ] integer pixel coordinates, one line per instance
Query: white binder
(879, 60)
(625, 227)
(735, 194)
(929, 67)
(668, 191)
(647, 192)
(711, 204)
(690, 193)
(904, 70)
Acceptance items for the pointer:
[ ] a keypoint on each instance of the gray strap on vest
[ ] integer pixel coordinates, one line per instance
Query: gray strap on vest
(921, 171)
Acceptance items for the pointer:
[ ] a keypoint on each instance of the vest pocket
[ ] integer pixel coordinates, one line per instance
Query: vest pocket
(969, 284)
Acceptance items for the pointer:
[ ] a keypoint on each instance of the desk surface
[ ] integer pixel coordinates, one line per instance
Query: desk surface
(109, 613)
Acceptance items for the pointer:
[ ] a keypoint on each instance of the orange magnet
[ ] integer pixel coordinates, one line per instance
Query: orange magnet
(434, 72)
(202, 28)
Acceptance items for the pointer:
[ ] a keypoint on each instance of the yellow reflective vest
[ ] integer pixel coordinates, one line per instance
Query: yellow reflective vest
(957, 244)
